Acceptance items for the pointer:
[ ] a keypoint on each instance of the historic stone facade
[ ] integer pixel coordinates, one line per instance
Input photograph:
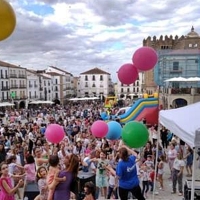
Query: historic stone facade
(190, 41)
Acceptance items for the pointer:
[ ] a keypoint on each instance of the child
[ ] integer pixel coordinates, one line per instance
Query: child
(189, 161)
(101, 175)
(145, 180)
(112, 188)
(52, 177)
(42, 183)
(149, 163)
(12, 169)
(29, 168)
(152, 178)
(161, 171)
(89, 190)
(7, 190)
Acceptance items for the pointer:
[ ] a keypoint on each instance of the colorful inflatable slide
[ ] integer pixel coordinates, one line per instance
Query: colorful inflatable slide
(143, 108)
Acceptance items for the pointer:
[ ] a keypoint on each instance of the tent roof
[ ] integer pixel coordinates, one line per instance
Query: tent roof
(183, 122)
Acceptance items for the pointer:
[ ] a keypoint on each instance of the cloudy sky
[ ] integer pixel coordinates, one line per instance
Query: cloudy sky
(77, 35)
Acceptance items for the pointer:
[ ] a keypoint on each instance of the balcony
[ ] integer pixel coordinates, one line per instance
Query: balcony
(22, 86)
(4, 76)
(21, 76)
(19, 98)
(175, 72)
(4, 88)
(13, 75)
(13, 87)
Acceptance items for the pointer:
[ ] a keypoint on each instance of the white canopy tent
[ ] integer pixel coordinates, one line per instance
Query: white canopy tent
(176, 79)
(41, 102)
(4, 104)
(193, 79)
(84, 99)
(184, 122)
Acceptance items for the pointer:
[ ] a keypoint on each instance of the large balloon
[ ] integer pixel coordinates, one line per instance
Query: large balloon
(114, 130)
(127, 74)
(145, 58)
(54, 133)
(104, 116)
(7, 19)
(99, 129)
(135, 134)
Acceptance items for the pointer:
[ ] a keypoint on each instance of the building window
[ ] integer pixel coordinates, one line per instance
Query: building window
(93, 85)
(56, 81)
(122, 90)
(175, 66)
(101, 78)
(195, 45)
(86, 84)
(93, 77)
(128, 89)
(86, 78)
(122, 84)
(134, 90)
(137, 83)
(190, 45)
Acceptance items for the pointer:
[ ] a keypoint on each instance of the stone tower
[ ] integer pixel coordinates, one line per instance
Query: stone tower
(190, 41)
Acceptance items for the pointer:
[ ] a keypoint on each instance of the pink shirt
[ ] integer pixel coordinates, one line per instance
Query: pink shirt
(30, 172)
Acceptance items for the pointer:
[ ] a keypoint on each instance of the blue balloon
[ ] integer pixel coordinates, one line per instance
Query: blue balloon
(114, 130)
(104, 116)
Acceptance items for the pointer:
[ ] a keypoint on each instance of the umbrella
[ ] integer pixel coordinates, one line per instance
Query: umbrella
(176, 79)
(193, 79)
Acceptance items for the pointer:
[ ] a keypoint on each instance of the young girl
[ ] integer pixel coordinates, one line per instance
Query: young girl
(7, 190)
(42, 183)
(145, 180)
(13, 170)
(29, 168)
(89, 190)
(189, 161)
(161, 171)
(52, 177)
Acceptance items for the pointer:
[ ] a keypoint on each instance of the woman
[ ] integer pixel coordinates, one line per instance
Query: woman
(39, 160)
(7, 190)
(171, 155)
(62, 190)
(127, 174)
(177, 174)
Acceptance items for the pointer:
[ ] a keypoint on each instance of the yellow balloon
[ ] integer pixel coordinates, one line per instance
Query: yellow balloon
(7, 20)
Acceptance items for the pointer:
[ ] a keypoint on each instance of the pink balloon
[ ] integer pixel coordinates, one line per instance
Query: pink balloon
(127, 74)
(54, 133)
(145, 58)
(99, 129)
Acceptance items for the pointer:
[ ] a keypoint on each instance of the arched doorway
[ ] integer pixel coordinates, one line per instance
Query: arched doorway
(177, 103)
(22, 104)
(56, 101)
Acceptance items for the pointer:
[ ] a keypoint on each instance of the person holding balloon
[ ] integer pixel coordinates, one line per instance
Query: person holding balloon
(127, 174)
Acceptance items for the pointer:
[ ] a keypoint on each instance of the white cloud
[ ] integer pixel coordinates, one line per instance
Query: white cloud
(78, 35)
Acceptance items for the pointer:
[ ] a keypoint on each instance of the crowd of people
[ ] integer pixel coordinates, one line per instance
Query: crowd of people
(82, 166)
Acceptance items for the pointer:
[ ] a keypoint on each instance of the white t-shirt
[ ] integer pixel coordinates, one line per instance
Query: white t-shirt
(178, 164)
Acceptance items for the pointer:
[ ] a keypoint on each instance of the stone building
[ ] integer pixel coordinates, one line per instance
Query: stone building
(164, 43)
